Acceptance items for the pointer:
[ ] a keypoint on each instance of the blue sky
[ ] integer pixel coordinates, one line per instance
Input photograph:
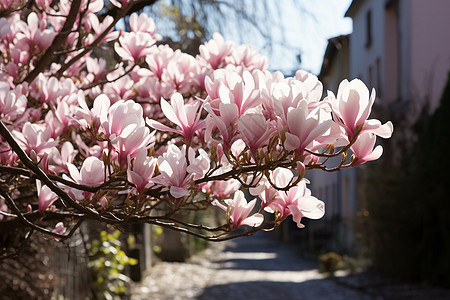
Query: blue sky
(307, 32)
(298, 27)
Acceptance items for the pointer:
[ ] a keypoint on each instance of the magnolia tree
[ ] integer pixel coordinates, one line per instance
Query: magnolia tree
(102, 124)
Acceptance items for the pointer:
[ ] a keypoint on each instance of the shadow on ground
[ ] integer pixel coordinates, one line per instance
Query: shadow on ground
(259, 267)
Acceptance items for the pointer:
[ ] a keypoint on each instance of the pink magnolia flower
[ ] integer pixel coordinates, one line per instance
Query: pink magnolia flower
(120, 89)
(159, 58)
(35, 33)
(285, 96)
(363, 149)
(266, 192)
(172, 166)
(35, 137)
(5, 28)
(287, 93)
(249, 58)
(215, 50)
(212, 84)
(185, 116)
(299, 203)
(303, 127)
(58, 161)
(46, 89)
(143, 23)
(266, 82)
(352, 107)
(182, 73)
(43, 4)
(6, 4)
(92, 118)
(198, 165)
(92, 172)
(281, 177)
(151, 90)
(7, 155)
(120, 115)
(91, 6)
(97, 150)
(60, 118)
(231, 88)
(96, 68)
(131, 140)
(141, 172)
(255, 130)
(222, 189)
(236, 148)
(59, 229)
(45, 195)
(225, 123)
(134, 45)
(99, 28)
(55, 18)
(238, 210)
(12, 103)
(312, 84)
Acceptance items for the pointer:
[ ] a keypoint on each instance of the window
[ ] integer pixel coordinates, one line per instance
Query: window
(368, 29)
(378, 77)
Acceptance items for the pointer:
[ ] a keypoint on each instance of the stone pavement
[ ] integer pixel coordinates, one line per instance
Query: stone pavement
(258, 267)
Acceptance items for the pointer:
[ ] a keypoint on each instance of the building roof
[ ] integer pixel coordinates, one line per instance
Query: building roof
(353, 7)
(334, 45)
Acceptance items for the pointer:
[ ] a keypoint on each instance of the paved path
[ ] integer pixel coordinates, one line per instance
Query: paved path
(247, 268)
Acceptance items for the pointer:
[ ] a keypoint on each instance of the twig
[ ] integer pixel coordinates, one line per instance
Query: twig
(12, 205)
(46, 58)
(94, 44)
(66, 199)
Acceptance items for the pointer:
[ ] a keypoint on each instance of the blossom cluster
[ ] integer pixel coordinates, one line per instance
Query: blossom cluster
(144, 130)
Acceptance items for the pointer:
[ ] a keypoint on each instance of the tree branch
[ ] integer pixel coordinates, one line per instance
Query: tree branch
(120, 14)
(32, 225)
(46, 58)
(44, 178)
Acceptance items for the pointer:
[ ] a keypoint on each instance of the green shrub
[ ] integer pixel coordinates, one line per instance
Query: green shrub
(330, 262)
(107, 265)
(408, 229)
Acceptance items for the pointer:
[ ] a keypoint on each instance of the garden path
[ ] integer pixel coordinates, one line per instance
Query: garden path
(256, 267)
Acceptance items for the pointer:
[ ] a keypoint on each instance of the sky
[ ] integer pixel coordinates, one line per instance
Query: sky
(311, 34)
(297, 27)
(307, 32)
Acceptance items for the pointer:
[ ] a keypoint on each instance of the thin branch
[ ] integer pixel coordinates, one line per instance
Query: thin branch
(236, 172)
(13, 206)
(94, 84)
(123, 12)
(43, 177)
(46, 58)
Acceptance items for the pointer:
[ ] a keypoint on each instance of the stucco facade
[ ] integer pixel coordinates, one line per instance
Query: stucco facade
(408, 56)
(402, 49)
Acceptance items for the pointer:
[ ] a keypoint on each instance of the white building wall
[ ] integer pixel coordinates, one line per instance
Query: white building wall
(423, 58)
(363, 57)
